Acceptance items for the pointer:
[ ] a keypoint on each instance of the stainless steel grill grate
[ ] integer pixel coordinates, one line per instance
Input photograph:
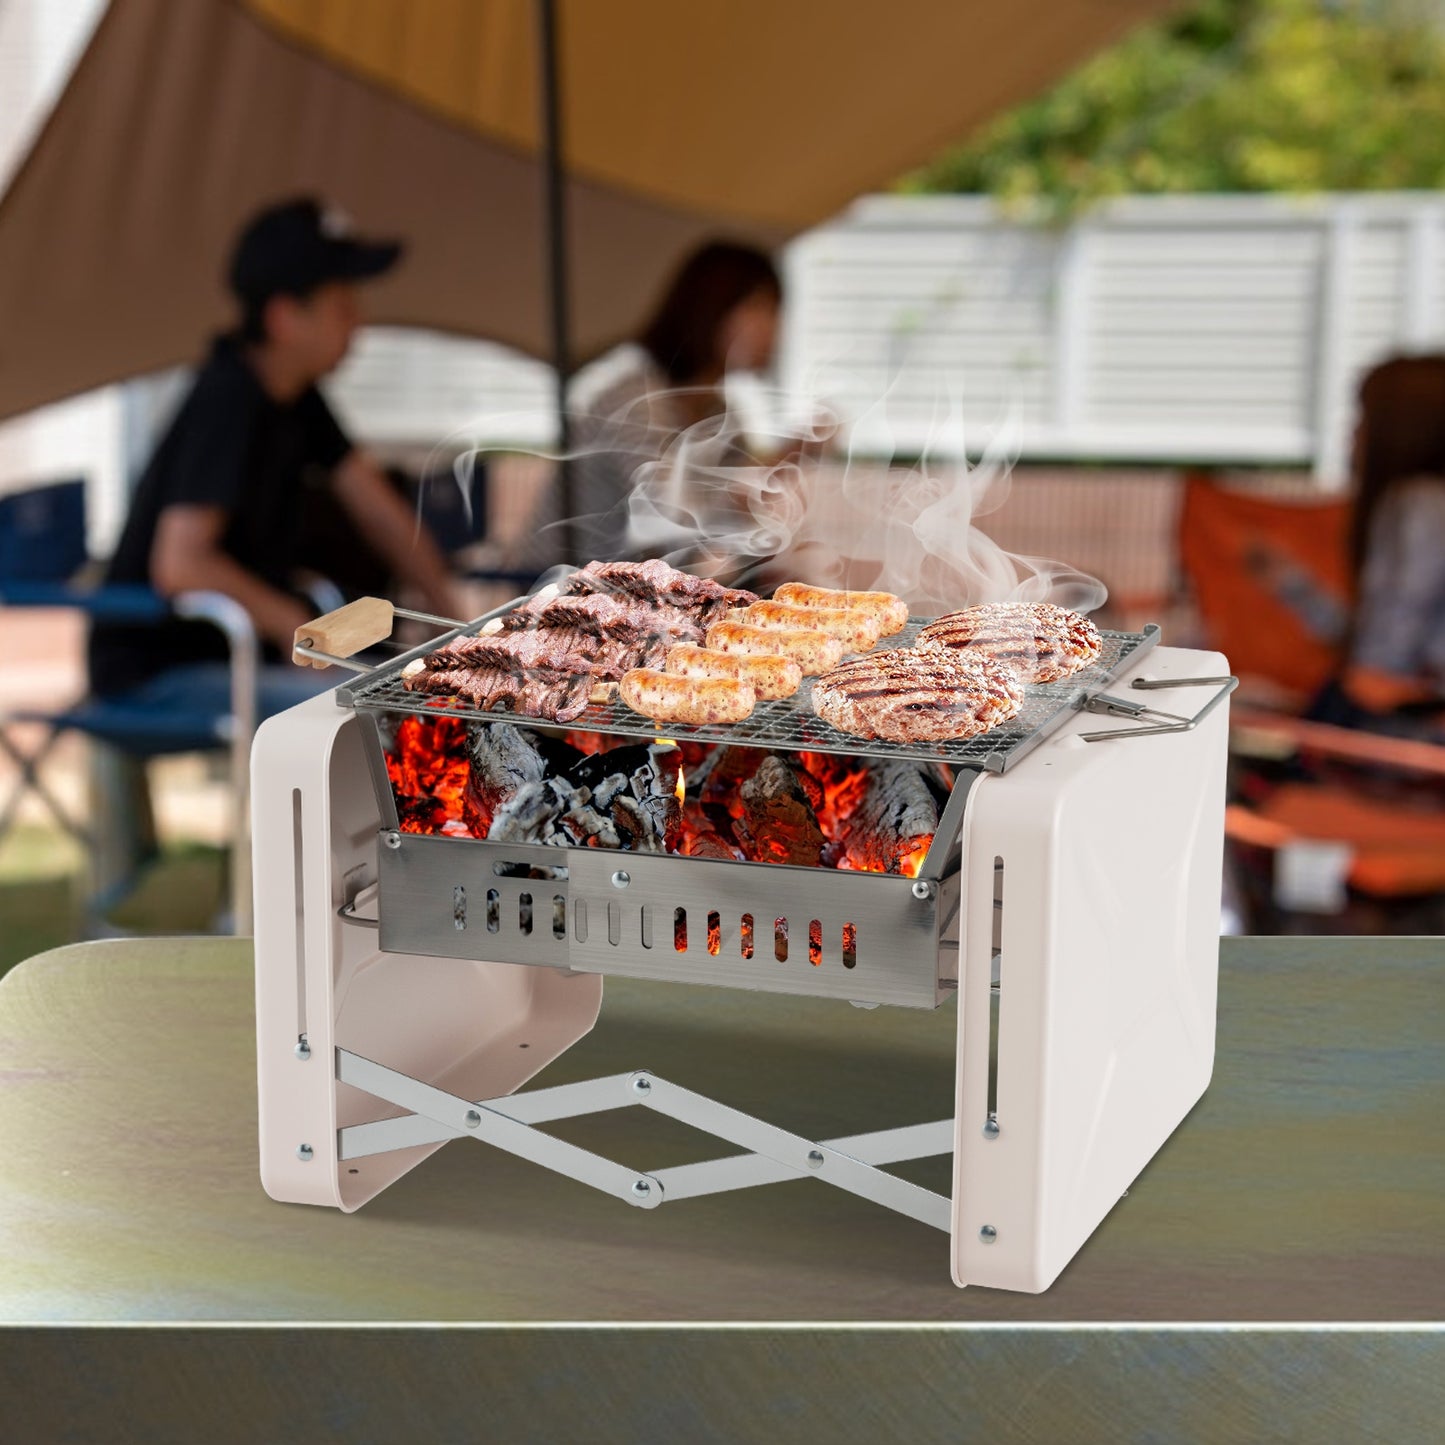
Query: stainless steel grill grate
(790, 723)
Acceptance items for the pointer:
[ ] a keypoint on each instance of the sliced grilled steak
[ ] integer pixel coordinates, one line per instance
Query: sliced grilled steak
(545, 656)
(655, 581)
(562, 651)
(534, 692)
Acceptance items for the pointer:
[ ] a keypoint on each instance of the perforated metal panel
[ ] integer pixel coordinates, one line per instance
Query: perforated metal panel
(683, 920)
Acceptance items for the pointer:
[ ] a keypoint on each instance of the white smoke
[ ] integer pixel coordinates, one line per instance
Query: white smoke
(799, 504)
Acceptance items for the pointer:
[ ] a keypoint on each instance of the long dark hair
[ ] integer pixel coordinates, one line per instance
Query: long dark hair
(682, 336)
(1402, 416)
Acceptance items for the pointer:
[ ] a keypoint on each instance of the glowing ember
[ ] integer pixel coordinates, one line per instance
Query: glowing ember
(430, 771)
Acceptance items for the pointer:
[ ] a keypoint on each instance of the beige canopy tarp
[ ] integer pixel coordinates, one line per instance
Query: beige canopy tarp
(751, 118)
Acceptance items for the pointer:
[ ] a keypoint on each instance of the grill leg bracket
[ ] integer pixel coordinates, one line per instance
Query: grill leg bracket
(509, 1123)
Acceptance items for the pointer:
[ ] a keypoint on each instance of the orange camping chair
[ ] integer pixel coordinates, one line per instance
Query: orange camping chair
(1270, 579)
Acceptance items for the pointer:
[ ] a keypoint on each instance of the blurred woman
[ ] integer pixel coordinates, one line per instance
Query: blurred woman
(628, 410)
(1393, 675)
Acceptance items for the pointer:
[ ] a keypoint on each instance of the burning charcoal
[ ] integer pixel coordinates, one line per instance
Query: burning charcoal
(895, 820)
(722, 776)
(427, 765)
(588, 827)
(633, 821)
(503, 759)
(595, 769)
(778, 824)
(657, 800)
(702, 839)
(530, 813)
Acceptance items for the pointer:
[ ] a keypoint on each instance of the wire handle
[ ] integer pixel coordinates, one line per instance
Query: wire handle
(1154, 721)
(329, 640)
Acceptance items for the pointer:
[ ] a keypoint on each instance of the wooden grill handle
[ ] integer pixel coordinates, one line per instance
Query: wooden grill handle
(348, 630)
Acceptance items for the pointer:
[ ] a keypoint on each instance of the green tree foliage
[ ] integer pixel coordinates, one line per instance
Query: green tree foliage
(1229, 95)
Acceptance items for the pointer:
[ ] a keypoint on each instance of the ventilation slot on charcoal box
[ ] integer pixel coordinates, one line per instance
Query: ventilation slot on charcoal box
(494, 910)
(524, 912)
(579, 920)
(298, 883)
(645, 926)
(995, 996)
(679, 929)
(459, 908)
(559, 916)
(850, 945)
(547, 871)
(614, 923)
(745, 933)
(714, 934)
(780, 939)
(815, 942)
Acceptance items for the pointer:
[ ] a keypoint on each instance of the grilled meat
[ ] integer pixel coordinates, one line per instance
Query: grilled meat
(909, 696)
(1038, 641)
(546, 655)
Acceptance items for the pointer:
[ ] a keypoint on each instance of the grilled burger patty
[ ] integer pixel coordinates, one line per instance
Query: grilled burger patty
(1037, 640)
(908, 696)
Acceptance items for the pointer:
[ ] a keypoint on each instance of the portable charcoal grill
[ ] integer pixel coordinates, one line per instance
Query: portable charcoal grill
(407, 985)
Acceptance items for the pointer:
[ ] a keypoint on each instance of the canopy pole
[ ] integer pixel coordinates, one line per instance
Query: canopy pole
(556, 228)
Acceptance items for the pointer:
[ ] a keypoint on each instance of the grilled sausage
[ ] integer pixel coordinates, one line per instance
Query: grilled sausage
(855, 628)
(813, 651)
(892, 611)
(768, 676)
(666, 698)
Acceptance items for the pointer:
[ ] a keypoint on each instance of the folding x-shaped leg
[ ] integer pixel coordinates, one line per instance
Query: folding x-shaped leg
(30, 781)
(509, 1123)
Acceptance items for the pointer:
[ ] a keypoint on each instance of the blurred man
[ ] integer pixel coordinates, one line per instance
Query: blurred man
(220, 505)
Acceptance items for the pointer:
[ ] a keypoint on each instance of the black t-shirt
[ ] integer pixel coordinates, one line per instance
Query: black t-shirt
(230, 446)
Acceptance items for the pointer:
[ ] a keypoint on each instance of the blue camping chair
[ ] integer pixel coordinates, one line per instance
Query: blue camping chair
(42, 548)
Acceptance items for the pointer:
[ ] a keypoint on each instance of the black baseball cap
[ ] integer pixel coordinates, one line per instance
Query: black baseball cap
(292, 248)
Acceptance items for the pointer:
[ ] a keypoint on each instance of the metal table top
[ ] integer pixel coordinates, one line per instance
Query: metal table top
(1308, 1184)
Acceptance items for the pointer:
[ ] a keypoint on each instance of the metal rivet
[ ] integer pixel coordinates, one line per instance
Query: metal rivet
(305, 1153)
(990, 1128)
(988, 1234)
(922, 889)
(392, 839)
(815, 1159)
(621, 878)
(641, 1188)
(474, 1119)
(642, 1086)
(302, 1049)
